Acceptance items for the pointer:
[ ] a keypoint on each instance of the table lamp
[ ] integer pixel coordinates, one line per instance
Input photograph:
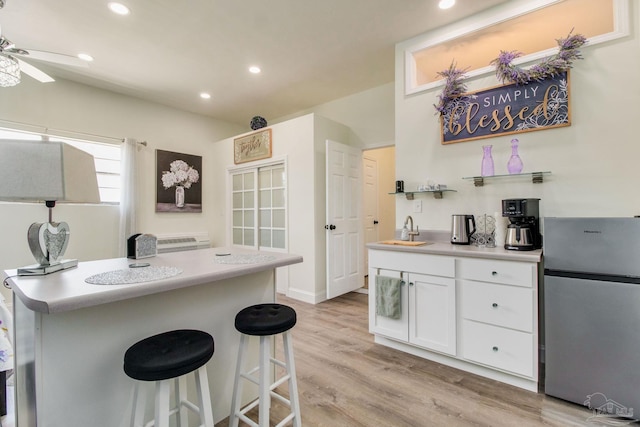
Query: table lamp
(49, 172)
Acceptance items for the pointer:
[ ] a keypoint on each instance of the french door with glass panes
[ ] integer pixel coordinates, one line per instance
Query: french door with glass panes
(259, 212)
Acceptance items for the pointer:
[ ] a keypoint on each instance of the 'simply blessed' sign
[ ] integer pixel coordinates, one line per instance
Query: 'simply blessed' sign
(507, 109)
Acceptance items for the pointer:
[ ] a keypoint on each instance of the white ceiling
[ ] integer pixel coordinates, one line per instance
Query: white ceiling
(168, 51)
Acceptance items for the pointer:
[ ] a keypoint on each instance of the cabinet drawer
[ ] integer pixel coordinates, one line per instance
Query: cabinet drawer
(499, 305)
(505, 272)
(434, 265)
(498, 347)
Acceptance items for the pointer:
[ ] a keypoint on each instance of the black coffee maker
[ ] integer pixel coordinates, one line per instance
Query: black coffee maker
(523, 232)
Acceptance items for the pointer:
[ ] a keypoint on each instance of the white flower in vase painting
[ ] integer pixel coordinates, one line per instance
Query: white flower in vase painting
(179, 174)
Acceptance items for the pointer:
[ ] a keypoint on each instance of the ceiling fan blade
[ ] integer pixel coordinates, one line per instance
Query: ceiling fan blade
(32, 71)
(55, 58)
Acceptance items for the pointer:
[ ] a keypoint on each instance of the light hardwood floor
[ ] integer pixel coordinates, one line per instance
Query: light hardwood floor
(345, 379)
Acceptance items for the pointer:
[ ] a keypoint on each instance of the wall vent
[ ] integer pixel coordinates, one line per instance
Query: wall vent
(182, 242)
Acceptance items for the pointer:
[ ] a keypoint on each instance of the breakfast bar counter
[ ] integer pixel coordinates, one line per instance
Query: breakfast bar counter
(71, 335)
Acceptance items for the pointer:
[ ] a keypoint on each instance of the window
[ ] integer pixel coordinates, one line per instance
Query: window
(106, 157)
(259, 207)
(471, 43)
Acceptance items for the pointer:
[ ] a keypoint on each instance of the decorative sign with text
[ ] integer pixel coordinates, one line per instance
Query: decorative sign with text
(508, 109)
(254, 146)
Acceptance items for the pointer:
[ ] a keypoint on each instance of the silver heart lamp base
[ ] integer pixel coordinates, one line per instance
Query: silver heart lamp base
(41, 270)
(48, 241)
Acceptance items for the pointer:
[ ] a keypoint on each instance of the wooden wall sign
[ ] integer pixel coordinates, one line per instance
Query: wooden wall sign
(507, 109)
(254, 146)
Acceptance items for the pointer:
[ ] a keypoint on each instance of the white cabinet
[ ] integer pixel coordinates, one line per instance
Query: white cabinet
(475, 314)
(498, 306)
(428, 302)
(432, 312)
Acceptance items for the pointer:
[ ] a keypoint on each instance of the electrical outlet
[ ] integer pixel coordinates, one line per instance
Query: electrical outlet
(417, 206)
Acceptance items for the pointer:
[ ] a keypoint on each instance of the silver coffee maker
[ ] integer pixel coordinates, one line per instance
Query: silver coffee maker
(523, 232)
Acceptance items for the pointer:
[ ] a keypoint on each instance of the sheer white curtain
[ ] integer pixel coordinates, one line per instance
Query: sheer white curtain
(129, 180)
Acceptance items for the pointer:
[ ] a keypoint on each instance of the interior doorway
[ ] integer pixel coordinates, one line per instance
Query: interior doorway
(379, 207)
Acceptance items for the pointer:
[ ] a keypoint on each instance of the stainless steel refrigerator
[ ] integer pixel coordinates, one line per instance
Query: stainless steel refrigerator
(592, 312)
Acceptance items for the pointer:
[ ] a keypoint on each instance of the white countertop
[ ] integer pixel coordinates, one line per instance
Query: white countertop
(67, 290)
(471, 251)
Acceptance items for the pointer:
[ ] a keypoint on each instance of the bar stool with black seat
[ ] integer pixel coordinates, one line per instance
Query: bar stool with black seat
(165, 358)
(265, 321)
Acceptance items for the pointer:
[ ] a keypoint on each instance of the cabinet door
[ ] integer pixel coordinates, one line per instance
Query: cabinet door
(391, 328)
(432, 312)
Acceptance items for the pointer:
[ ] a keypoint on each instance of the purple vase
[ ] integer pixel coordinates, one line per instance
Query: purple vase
(487, 161)
(515, 162)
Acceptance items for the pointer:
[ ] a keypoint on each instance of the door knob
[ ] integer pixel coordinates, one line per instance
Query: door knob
(375, 221)
(330, 227)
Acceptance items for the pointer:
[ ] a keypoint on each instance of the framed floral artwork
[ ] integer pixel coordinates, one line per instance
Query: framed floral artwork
(178, 182)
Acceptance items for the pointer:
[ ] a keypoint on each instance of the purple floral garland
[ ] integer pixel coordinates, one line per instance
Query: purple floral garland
(453, 87)
(562, 61)
(507, 72)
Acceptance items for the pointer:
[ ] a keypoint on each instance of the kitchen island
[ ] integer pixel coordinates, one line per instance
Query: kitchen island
(70, 336)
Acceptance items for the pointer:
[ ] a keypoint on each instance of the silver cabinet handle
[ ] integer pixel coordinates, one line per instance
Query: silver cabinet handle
(495, 348)
(410, 283)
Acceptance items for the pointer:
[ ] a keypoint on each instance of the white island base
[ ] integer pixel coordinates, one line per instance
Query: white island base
(69, 362)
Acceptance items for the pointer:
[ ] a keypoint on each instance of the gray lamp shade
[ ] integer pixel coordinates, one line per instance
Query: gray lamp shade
(46, 171)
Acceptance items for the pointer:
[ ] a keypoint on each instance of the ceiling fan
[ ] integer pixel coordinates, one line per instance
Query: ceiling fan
(11, 62)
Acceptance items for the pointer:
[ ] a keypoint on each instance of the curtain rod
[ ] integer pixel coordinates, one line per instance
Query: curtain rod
(57, 132)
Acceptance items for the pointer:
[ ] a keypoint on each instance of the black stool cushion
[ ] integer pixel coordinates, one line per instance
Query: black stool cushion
(168, 355)
(265, 319)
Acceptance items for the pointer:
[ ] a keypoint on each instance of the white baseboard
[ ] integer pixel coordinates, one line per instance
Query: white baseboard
(307, 297)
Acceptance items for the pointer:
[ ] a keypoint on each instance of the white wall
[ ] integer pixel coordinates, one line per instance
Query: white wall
(65, 105)
(593, 161)
(301, 141)
(368, 115)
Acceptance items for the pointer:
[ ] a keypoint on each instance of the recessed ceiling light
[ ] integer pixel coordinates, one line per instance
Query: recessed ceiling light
(85, 57)
(118, 8)
(446, 4)
(255, 70)
(205, 95)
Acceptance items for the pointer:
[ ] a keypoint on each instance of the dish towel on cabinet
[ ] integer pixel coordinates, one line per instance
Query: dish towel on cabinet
(388, 302)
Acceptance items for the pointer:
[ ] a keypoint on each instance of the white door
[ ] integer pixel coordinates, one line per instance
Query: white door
(370, 203)
(345, 258)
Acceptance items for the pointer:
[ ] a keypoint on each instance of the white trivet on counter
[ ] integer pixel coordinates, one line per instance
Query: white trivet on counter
(243, 259)
(133, 275)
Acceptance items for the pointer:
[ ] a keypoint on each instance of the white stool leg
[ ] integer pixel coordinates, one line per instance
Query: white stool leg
(139, 405)
(265, 381)
(182, 418)
(163, 391)
(204, 397)
(293, 384)
(237, 384)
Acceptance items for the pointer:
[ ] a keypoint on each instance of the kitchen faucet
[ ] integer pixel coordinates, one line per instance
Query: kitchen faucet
(412, 233)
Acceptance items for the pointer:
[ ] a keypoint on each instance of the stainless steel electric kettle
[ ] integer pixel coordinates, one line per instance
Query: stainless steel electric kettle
(462, 228)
